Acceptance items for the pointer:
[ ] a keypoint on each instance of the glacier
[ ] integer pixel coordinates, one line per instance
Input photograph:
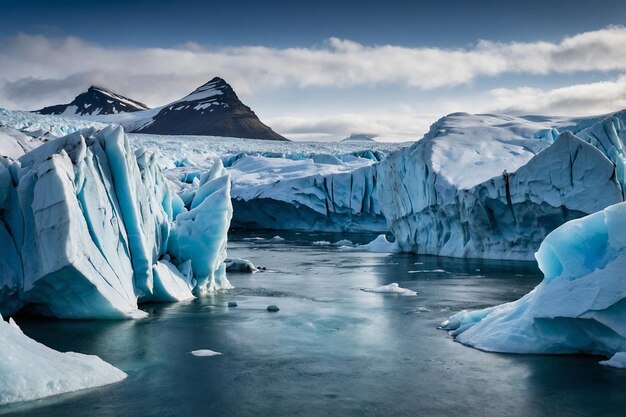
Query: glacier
(30, 370)
(493, 186)
(480, 186)
(121, 236)
(306, 194)
(580, 305)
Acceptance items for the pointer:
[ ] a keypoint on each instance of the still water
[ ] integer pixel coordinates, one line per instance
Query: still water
(331, 350)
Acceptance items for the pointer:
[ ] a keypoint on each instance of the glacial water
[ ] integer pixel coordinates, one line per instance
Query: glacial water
(331, 350)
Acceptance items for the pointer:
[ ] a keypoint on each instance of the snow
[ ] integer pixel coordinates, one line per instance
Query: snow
(578, 307)
(30, 370)
(14, 144)
(120, 234)
(493, 186)
(205, 352)
(392, 288)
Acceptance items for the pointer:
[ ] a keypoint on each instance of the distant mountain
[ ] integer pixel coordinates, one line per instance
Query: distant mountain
(360, 137)
(95, 101)
(213, 109)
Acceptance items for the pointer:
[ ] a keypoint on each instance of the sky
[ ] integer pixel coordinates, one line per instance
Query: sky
(323, 70)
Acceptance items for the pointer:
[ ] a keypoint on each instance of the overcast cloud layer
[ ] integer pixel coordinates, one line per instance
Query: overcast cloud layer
(36, 71)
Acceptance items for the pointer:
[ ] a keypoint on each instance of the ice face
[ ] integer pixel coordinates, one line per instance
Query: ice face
(320, 193)
(91, 228)
(580, 305)
(494, 186)
(200, 234)
(30, 370)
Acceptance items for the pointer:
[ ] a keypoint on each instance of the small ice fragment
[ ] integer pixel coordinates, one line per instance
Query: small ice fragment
(392, 288)
(239, 265)
(277, 238)
(205, 352)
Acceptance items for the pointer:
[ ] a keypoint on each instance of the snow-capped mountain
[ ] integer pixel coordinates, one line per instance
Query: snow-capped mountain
(213, 109)
(95, 101)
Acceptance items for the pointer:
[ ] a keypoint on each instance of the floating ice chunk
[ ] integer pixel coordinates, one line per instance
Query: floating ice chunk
(205, 352)
(380, 245)
(321, 243)
(577, 308)
(343, 242)
(392, 288)
(239, 265)
(420, 271)
(30, 370)
(617, 361)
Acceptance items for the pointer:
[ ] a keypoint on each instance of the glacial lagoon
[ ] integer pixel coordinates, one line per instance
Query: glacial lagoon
(332, 349)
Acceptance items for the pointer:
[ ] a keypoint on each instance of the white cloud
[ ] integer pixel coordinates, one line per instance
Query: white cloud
(574, 100)
(157, 75)
(36, 71)
(401, 126)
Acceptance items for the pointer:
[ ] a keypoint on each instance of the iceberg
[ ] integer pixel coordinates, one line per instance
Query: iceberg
(30, 370)
(493, 186)
(579, 307)
(91, 228)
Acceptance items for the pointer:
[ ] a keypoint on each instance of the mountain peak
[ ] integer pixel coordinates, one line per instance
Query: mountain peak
(96, 100)
(215, 87)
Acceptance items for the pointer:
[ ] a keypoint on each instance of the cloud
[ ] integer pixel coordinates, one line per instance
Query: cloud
(36, 71)
(574, 100)
(158, 75)
(400, 126)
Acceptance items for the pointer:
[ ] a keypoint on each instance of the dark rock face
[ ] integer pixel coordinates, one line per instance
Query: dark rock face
(211, 110)
(95, 101)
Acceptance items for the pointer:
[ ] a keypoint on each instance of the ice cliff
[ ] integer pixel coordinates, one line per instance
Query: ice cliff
(493, 186)
(579, 307)
(321, 193)
(89, 228)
